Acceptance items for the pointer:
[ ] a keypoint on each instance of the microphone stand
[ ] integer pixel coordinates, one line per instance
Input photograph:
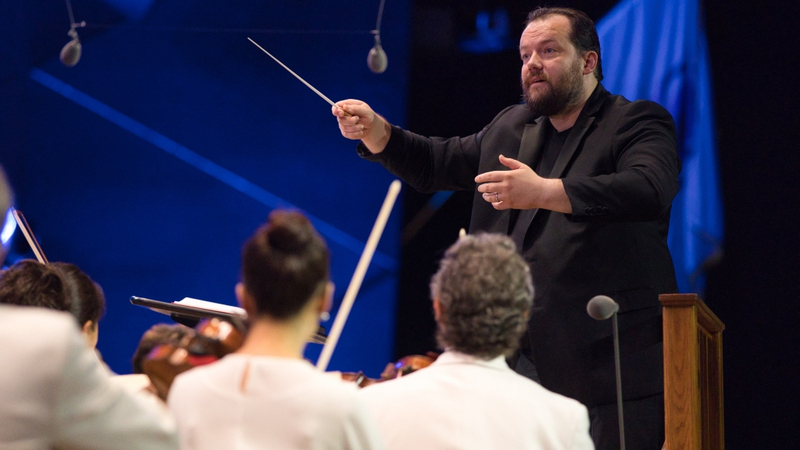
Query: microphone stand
(601, 307)
(619, 384)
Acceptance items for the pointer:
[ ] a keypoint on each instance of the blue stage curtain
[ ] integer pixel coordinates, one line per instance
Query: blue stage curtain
(657, 50)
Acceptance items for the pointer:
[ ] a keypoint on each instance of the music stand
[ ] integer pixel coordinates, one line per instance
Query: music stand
(191, 315)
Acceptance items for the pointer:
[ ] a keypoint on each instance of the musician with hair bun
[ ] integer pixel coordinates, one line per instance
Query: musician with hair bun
(265, 395)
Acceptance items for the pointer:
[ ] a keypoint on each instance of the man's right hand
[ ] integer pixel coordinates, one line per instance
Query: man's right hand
(358, 121)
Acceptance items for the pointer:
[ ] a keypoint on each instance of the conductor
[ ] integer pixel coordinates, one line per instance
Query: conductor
(582, 180)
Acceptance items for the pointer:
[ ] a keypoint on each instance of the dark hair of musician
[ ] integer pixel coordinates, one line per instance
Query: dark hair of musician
(88, 303)
(31, 283)
(284, 264)
(583, 33)
(484, 289)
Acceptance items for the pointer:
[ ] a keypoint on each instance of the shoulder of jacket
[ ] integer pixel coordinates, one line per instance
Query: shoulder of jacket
(635, 106)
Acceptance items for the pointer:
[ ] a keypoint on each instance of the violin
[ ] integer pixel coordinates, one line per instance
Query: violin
(211, 340)
(408, 364)
(214, 338)
(402, 367)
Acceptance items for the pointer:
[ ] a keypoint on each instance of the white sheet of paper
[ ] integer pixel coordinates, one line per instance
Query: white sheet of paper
(211, 306)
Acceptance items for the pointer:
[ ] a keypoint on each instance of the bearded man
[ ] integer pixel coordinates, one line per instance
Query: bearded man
(583, 182)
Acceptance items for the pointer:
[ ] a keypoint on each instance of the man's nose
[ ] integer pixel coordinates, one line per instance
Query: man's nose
(534, 62)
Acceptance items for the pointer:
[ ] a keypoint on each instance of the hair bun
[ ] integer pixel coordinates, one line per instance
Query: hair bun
(289, 231)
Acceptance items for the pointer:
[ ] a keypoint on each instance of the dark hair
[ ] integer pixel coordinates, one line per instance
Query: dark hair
(87, 299)
(484, 288)
(157, 335)
(31, 283)
(284, 264)
(583, 34)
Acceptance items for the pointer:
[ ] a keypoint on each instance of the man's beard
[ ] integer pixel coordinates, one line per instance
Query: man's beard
(559, 98)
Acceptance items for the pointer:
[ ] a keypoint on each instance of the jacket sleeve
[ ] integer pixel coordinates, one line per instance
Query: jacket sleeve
(432, 164)
(640, 179)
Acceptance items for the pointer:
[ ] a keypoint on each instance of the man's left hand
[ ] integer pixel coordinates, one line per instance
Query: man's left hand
(522, 188)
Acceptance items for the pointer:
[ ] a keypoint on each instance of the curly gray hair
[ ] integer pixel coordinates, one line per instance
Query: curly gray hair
(484, 289)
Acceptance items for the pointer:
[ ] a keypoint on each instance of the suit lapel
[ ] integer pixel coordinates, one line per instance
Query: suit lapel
(575, 136)
(585, 120)
(484, 216)
(530, 151)
(573, 140)
(532, 142)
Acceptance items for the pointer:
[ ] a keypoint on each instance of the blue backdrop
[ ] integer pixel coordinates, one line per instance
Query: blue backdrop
(657, 50)
(151, 161)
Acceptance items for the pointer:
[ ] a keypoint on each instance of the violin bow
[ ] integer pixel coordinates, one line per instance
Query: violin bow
(358, 276)
(29, 236)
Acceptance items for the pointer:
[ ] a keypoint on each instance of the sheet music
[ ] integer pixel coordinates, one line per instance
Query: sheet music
(211, 306)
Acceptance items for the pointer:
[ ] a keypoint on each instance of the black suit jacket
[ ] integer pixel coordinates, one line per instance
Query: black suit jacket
(620, 169)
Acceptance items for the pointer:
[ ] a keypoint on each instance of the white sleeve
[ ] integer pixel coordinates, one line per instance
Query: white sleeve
(582, 439)
(94, 413)
(360, 430)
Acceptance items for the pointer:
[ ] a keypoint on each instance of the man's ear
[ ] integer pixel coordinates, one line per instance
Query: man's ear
(437, 308)
(589, 62)
(245, 300)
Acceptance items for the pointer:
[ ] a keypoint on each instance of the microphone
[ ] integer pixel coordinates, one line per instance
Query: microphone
(376, 59)
(601, 307)
(71, 53)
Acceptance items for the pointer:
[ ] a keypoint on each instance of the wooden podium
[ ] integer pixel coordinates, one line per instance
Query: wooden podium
(693, 403)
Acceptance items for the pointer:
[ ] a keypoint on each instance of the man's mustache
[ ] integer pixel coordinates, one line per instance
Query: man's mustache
(538, 77)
